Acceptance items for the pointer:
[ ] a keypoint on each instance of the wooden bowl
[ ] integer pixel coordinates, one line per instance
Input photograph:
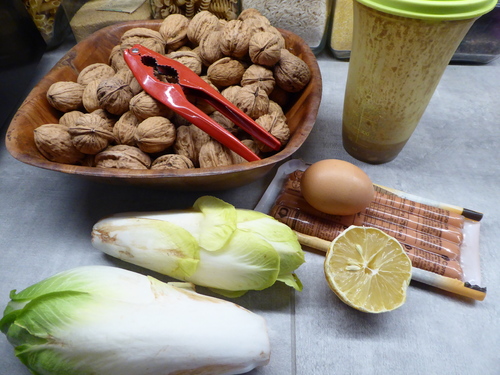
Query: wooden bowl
(36, 111)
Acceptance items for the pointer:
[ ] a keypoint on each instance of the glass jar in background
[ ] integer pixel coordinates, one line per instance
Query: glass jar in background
(22, 49)
(308, 19)
(223, 9)
(480, 45)
(340, 39)
(87, 16)
(49, 19)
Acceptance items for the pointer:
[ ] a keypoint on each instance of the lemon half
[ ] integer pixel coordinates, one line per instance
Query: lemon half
(368, 269)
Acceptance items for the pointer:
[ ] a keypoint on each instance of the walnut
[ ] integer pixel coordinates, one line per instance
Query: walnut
(144, 105)
(90, 100)
(183, 48)
(226, 72)
(126, 75)
(234, 39)
(122, 157)
(275, 108)
(281, 38)
(65, 96)
(106, 116)
(125, 128)
(199, 137)
(291, 73)
(173, 29)
(276, 125)
(95, 71)
(231, 93)
(146, 37)
(253, 101)
(69, 118)
(256, 24)
(260, 76)
(184, 144)
(189, 58)
(214, 154)
(155, 134)
(251, 144)
(264, 48)
(201, 24)
(249, 13)
(114, 95)
(91, 133)
(116, 60)
(224, 122)
(172, 161)
(54, 143)
(209, 48)
(190, 139)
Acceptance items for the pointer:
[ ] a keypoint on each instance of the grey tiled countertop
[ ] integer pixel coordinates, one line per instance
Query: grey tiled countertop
(453, 157)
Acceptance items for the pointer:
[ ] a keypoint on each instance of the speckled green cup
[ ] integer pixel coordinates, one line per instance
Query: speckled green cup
(400, 51)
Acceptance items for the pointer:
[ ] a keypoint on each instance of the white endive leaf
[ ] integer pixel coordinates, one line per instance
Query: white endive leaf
(281, 237)
(219, 222)
(158, 245)
(212, 244)
(246, 263)
(177, 331)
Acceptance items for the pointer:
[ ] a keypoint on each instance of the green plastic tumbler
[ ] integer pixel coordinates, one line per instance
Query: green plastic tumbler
(400, 50)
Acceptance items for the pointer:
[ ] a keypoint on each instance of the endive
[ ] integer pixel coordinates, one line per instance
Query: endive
(100, 320)
(213, 244)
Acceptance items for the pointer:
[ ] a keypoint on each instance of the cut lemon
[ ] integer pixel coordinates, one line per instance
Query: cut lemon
(368, 269)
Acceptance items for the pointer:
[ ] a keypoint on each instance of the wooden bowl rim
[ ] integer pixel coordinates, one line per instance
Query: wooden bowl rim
(296, 140)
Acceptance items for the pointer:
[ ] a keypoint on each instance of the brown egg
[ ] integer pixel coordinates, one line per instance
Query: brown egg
(337, 187)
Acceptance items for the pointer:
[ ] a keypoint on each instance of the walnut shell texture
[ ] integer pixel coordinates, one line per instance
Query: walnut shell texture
(155, 134)
(201, 24)
(94, 71)
(172, 161)
(291, 72)
(189, 58)
(264, 48)
(55, 144)
(235, 39)
(70, 117)
(184, 144)
(123, 157)
(226, 72)
(148, 38)
(253, 101)
(214, 154)
(144, 105)
(260, 76)
(251, 144)
(126, 75)
(125, 128)
(91, 134)
(277, 126)
(173, 29)
(90, 100)
(114, 95)
(209, 48)
(65, 96)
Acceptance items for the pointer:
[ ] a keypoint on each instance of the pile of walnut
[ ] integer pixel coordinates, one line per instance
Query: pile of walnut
(110, 122)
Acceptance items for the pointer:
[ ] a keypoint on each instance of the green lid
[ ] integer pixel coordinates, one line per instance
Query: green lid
(433, 9)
